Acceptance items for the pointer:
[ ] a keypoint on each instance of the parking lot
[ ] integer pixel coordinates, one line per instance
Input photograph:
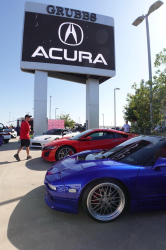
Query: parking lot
(26, 222)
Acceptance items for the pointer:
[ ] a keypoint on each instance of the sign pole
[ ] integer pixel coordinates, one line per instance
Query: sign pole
(92, 103)
(40, 103)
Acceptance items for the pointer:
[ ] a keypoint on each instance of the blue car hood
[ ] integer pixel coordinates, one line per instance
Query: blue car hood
(79, 162)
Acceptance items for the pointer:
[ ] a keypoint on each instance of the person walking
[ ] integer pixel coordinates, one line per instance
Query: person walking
(25, 138)
(126, 127)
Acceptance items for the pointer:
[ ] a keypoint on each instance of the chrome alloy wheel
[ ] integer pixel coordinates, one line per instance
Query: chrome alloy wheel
(64, 152)
(106, 201)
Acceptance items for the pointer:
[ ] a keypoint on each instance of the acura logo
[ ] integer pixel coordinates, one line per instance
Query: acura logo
(70, 34)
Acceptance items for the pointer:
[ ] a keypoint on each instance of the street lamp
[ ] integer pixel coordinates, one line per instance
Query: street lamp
(55, 113)
(115, 107)
(103, 119)
(9, 118)
(50, 107)
(139, 20)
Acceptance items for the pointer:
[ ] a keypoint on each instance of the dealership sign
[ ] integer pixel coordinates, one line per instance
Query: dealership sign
(67, 43)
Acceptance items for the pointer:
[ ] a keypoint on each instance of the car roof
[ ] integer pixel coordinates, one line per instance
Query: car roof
(57, 129)
(110, 130)
(160, 137)
(151, 137)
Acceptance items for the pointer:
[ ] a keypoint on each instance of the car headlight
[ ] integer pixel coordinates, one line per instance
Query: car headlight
(52, 187)
(47, 138)
(50, 147)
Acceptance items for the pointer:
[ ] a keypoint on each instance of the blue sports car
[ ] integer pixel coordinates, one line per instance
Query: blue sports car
(132, 174)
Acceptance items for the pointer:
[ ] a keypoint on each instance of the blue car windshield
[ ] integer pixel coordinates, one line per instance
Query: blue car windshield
(134, 151)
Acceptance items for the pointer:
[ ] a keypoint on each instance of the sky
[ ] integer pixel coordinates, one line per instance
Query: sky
(17, 87)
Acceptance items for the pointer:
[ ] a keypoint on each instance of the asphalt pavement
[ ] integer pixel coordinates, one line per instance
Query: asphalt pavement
(27, 223)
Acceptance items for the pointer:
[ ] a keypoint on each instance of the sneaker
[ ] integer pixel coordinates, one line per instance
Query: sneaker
(29, 157)
(17, 157)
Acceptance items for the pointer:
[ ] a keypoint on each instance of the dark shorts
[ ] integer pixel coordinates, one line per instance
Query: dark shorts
(25, 142)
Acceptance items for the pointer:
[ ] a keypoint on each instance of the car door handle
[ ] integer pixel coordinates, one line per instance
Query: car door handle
(115, 140)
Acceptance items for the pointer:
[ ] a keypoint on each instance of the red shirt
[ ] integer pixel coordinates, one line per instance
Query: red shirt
(24, 131)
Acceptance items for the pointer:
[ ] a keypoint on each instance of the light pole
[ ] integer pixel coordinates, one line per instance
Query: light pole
(33, 112)
(103, 119)
(50, 107)
(139, 20)
(115, 107)
(9, 118)
(55, 113)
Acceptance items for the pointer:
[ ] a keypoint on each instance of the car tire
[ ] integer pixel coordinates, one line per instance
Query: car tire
(6, 140)
(64, 152)
(105, 200)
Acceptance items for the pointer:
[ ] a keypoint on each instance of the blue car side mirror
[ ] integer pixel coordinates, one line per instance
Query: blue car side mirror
(161, 162)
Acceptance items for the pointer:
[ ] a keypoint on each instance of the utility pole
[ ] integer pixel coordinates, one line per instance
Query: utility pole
(55, 113)
(50, 107)
(115, 106)
(103, 120)
(9, 118)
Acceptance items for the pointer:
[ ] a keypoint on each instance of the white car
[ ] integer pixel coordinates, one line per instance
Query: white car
(40, 140)
(6, 136)
(5, 133)
(13, 133)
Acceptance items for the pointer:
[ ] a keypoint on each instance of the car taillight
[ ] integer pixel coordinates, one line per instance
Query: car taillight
(6, 134)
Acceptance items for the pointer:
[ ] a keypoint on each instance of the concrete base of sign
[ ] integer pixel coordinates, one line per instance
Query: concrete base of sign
(40, 124)
(40, 103)
(92, 103)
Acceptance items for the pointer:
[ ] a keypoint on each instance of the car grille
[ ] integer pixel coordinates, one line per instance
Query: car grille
(36, 144)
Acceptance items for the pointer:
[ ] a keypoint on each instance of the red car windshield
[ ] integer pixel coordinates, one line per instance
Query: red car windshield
(77, 137)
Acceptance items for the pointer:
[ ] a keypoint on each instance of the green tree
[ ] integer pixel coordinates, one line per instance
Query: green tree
(138, 104)
(138, 107)
(160, 58)
(68, 121)
(160, 78)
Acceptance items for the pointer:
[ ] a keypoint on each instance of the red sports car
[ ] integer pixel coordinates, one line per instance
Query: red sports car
(90, 139)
